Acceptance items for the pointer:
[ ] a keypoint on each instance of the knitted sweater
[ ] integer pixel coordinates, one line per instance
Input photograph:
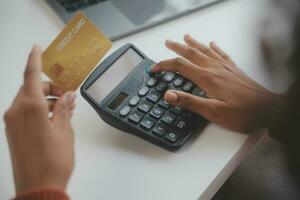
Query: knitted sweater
(42, 194)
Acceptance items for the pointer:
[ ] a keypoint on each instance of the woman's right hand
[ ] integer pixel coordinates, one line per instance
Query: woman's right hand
(234, 101)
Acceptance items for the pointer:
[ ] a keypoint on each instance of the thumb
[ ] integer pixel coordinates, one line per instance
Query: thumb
(62, 110)
(189, 102)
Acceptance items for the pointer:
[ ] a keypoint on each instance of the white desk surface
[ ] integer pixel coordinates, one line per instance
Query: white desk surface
(114, 165)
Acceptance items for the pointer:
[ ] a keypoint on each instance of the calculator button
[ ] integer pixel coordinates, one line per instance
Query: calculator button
(152, 82)
(144, 106)
(153, 97)
(168, 118)
(125, 111)
(134, 101)
(175, 109)
(135, 117)
(188, 86)
(147, 123)
(161, 87)
(168, 77)
(183, 125)
(159, 129)
(172, 136)
(159, 74)
(187, 115)
(172, 87)
(198, 92)
(143, 91)
(164, 104)
(178, 81)
(157, 112)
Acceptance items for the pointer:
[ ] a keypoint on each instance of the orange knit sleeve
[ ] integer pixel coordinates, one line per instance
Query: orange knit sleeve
(42, 194)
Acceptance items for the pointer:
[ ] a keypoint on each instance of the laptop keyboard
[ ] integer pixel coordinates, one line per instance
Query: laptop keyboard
(74, 5)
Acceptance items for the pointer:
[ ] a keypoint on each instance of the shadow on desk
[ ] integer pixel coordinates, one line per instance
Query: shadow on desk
(264, 174)
(114, 138)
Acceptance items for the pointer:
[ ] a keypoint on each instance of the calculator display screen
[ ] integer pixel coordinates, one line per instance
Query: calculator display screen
(114, 75)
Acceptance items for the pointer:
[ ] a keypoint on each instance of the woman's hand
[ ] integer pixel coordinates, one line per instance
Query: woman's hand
(41, 147)
(234, 100)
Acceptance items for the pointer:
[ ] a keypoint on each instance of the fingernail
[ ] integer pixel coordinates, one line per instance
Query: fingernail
(36, 47)
(171, 96)
(187, 36)
(168, 42)
(33, 47)
(213, 43)
(154, 68)
(150, 68)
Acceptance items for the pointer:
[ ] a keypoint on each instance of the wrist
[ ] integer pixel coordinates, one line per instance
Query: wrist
(25, 184)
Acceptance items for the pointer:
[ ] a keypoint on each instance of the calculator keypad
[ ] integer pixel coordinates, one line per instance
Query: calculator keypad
(168, 118)
(160, 129)
(143, 91)
(182, 124)
(178, 81)
(147, 123)
(134, 100)
(152, 82)
(168, 77)
(148, 110)
(172, 136)
(153, 97)
(199, 92)
(175, 109)
(188, 86)
(164, 104)
(157, 112)
(144, 106)
(125, 111)
(161, 87)
(135, 117)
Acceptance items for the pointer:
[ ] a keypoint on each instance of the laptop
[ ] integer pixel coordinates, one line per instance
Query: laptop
(120, 18)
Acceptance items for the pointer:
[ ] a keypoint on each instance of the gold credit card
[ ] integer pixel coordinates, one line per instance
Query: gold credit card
(74, 53)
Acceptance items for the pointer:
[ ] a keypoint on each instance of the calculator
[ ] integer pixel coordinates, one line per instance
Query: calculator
(126, 95)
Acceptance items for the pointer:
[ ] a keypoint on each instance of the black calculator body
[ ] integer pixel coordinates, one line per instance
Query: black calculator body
(126, 95)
